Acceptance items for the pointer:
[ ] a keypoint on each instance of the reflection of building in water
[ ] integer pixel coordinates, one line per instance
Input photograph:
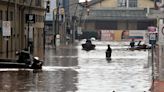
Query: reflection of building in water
(61, 80)
(65, 78)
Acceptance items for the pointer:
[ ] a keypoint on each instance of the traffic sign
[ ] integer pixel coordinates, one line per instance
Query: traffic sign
(152, 38)
(152, 29)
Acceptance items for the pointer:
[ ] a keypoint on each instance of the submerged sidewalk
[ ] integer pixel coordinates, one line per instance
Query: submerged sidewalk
(158, 86)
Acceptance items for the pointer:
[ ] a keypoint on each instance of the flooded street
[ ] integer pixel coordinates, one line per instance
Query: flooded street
(71, 69)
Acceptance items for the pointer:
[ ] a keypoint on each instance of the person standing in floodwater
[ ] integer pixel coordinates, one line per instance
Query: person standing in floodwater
(108, 52)
(132, 43)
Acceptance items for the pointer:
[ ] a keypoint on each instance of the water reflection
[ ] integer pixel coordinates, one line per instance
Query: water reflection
(63, 78)
(45, 81)
(61, 57)
(70, 69)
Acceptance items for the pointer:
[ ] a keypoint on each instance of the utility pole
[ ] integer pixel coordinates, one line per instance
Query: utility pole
(74, 24)
(152, 41)
(53, 27)
(44, 29)
(57, 36)
(152, 52)
(57, 17)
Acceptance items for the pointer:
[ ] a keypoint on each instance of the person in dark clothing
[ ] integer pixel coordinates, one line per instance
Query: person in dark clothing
(24, 56)
(88, 41)
(132, 43)
(108, 52)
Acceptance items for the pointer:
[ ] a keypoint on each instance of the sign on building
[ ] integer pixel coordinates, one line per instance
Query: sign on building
(107, 35)
(137, 34)
(152, 34)
(30, 18)
(6, 27)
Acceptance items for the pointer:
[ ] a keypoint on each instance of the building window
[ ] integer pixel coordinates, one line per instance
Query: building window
(38, 2)
(6, 15)
(1, 14)
(132, 3)
(11, 16)
(26, 1)
(122, 3)
(127, 3)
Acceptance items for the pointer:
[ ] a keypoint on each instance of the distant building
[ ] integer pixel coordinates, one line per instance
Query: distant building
(118, 16)
(26, 30)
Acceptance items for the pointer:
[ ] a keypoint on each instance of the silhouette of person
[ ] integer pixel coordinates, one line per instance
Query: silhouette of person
(88, 41)
(132, 43)
(108, 52)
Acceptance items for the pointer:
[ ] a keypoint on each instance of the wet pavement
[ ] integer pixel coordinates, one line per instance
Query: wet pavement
(71, 69)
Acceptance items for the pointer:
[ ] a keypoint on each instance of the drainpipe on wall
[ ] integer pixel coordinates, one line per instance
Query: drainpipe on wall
(28, 31)
(7, 38)
(15, 25)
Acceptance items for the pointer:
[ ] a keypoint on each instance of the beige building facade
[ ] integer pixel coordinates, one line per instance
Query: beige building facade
(23, 34)
(114, 3)
(119, 15)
